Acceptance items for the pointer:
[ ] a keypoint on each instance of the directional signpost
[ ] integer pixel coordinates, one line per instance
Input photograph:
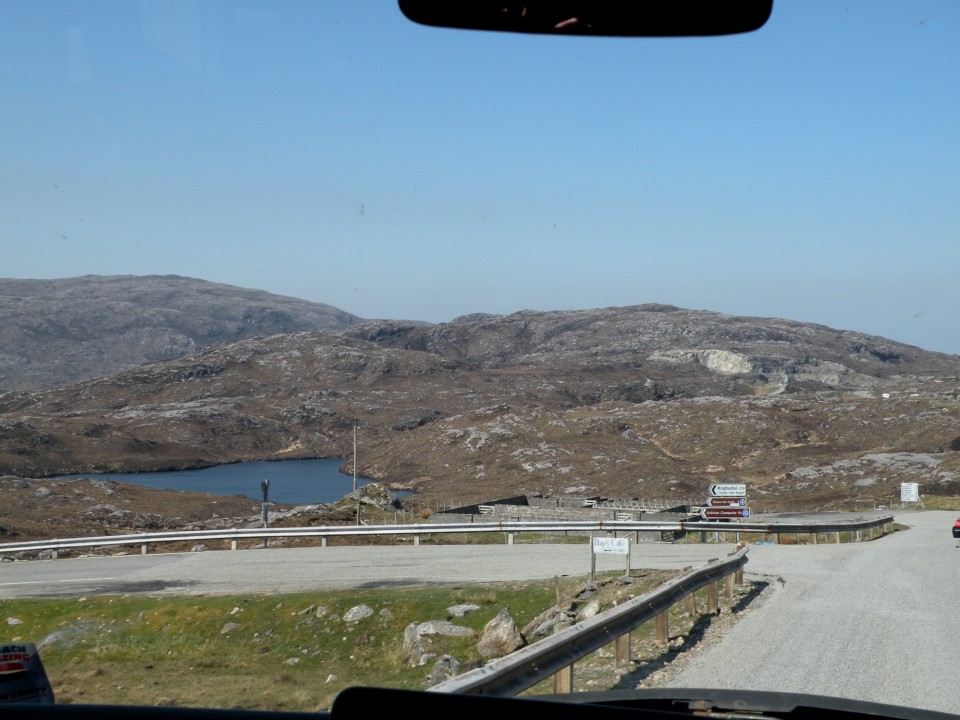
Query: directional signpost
(728, 490)
(727, 501)
(716, 513)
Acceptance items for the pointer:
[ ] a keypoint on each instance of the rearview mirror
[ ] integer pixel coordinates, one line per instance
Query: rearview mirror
(624, 18)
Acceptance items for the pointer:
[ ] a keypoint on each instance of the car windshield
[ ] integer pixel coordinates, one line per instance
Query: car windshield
(476, 277)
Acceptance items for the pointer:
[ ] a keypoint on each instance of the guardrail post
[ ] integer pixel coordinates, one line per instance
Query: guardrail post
(663, 628)
(416, 540)
(323, 541)
(622, 648)
(233, 544)
(54, 554)
(690, 604)
(814, 536)
(836, 537)
(713, 603)
(510, 538)
(728, 589)
(143, 549)
(563, 680)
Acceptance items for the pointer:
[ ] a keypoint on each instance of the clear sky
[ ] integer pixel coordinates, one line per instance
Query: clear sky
(336, 152)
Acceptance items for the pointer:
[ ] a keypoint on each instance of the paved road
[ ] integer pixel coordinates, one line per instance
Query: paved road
(304, 569)
(873, 621)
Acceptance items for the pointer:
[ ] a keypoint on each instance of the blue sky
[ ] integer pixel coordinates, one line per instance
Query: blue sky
(335, 151)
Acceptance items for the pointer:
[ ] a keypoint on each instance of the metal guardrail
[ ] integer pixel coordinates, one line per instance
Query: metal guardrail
(514, 673)
(417, 531)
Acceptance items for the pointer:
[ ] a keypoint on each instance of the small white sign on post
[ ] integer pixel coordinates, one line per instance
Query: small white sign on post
(610, 545)
(909, 492)
(617, 546)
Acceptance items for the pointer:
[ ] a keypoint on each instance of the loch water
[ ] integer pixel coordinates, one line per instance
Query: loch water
(294, 482)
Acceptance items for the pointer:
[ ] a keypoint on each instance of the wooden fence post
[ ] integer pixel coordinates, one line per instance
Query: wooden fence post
(563, 680)
(663, 628)
(622, 648)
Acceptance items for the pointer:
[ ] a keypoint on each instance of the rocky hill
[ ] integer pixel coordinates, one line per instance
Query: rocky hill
(647, 401)
(56, 332)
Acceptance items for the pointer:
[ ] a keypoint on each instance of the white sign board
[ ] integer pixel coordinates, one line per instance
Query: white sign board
(909, 492)
(617, 546)
(728, 490)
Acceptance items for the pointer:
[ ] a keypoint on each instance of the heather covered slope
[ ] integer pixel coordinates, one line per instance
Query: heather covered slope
(644, 401)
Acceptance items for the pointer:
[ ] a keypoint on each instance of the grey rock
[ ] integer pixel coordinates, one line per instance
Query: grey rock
(416, 650)
(500, 636)
(442, 627)
(463, 609)
(357, 613)
(443, 669)
(589, 610)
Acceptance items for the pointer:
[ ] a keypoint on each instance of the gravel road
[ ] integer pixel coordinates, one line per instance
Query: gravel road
(871, 621)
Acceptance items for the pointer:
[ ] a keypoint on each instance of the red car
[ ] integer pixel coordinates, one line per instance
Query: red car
(956, 528)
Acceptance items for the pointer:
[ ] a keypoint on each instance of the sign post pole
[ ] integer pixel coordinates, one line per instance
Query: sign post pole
(265, 489)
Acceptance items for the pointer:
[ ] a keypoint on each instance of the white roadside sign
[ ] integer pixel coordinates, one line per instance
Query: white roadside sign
(617, 546)
(909, 492)
(728, 490)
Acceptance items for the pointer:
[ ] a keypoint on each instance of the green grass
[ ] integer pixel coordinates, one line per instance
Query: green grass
(939, 502)
(287, 652)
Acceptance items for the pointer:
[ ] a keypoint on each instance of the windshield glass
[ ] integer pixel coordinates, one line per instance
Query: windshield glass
(685, 279)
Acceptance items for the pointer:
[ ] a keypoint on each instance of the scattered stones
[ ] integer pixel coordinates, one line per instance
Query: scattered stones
(229, 627)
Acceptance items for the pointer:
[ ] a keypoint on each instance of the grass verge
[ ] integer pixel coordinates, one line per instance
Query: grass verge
(278, 652)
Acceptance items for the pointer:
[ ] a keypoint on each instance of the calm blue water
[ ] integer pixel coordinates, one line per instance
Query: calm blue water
(295, 482)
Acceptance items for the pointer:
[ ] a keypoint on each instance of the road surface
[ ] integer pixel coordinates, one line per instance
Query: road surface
(329, 568)
(872, 621)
